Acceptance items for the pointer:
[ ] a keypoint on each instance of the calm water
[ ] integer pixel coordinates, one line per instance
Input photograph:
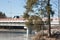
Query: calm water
(13, 36)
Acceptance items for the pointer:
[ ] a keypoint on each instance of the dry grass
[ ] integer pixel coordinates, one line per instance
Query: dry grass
(39, 36)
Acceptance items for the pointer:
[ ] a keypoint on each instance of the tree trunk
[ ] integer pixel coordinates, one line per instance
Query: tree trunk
(30, 30)
(48, 11)
(49, 24)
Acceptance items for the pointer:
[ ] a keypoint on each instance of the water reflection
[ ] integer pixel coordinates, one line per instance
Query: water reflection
(13, 36)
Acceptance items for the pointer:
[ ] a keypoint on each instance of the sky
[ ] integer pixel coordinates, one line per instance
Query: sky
(12, 7)
(16, 7)
(55, 7)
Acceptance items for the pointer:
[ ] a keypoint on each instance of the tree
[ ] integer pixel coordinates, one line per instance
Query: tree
(29, 5)
(41, 8)
(26, 15)
(34, 23)
(16, 17)
(29, 8)
(37, 23)
(2, 15)
(48, 11)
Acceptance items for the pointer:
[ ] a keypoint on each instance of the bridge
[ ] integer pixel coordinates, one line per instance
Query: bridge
(15, 24)
(20, 22)
(12, 23)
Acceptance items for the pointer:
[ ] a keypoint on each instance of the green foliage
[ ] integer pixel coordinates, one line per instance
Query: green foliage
(2, 15)
(42, 9)
(48, 8)
(38, 24)
(35, 22)
(26, 15)
(29, 4)
(29, 23)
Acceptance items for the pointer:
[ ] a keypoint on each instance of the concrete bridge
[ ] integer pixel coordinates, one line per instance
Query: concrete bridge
(12, 22)
(13, 25)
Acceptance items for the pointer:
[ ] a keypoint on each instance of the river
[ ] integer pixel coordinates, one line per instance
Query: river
(13, 36)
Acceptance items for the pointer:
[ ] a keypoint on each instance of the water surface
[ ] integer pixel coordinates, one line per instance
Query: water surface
(13, 36)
